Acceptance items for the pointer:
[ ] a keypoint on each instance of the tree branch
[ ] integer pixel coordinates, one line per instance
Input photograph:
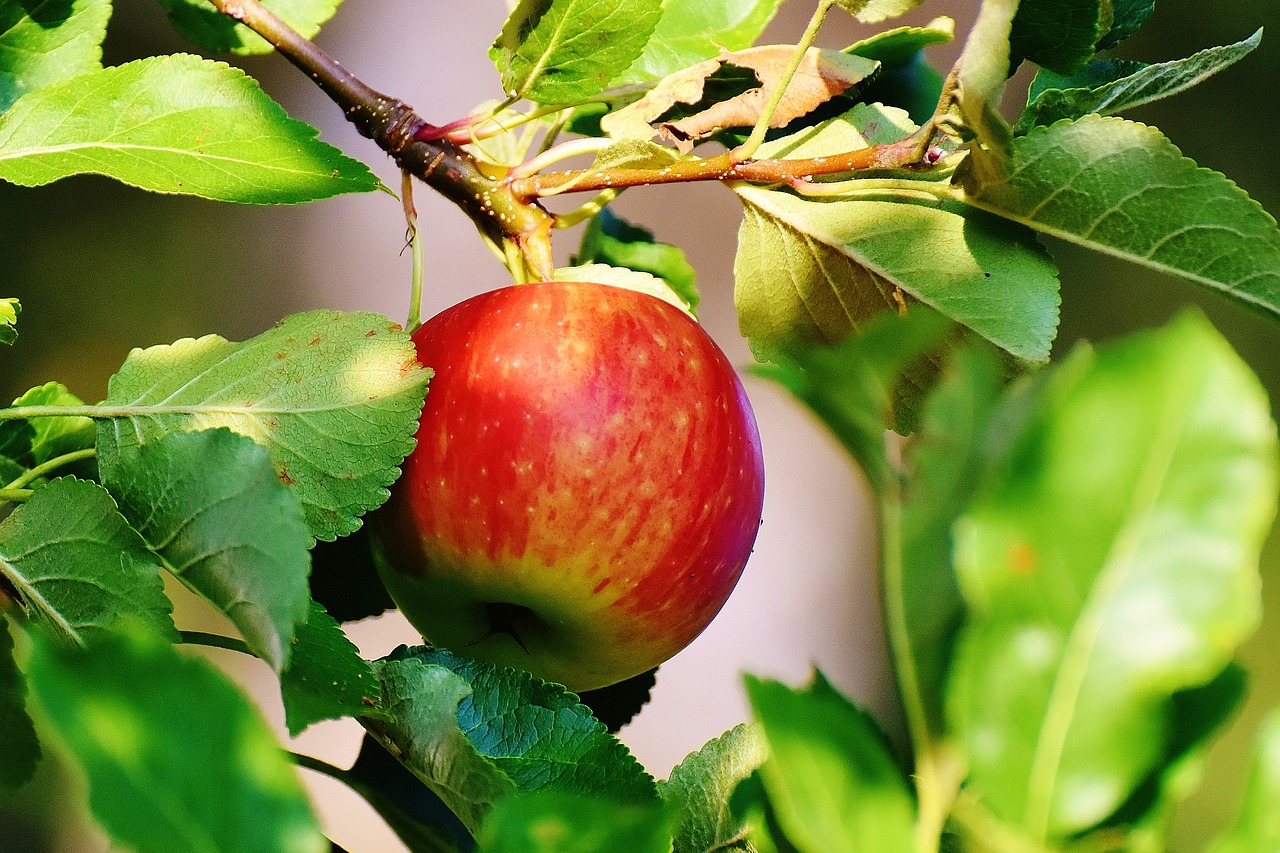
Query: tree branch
(403, 134)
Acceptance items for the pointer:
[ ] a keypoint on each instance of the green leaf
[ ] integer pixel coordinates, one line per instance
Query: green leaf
(76, 565)
(1109, 561)
(610, 239)
(173, 124)
(1112, 86)
(1257, 827)
(333, 397)
(562, 51)
(1195, 716)
(816, 268)
(210, 505)
(623, 277)
(830, 777)
(21, 750)
(982, 70)
(561, 822)
(477, 733)
(1126, 17)
(9, 310)
(1122, 188)
(699, 788)
(1060, 35)
(216, 32)
(55, 436)
(901, 45)
(326, 678)
(176, 757)
(47, 41)
(691, 31)
(944, 460)
(874, 11)
(856, 386)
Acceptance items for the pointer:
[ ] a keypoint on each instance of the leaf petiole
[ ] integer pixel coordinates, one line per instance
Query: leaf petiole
(45, 467)
(216, 641)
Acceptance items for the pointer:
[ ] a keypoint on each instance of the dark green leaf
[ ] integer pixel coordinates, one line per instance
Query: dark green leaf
(477, 733)
(1257, 828)
(210, 504)
(9, 310)
(854, 386)
(76, 565)
(1126, 17)
(562, 51)
(326, 678)
(691, 31)
(173, 124)
(830, 777)
(1060, 35)
(610, 239)
(21, 750)
(618, 704)
(563, 822)
(47, 41)
(176, 757)
(1109, 561)
(333, 397)
(1113, 86)
(216, 32)
(344, 578)
(944, 460)
(419, 817)
(1123, 188)
(751, 809)
(700, 786)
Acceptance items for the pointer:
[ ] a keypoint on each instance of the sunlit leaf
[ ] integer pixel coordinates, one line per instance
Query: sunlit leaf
(47, 41)
(173, 124)
(691, 31)
(333, 397)
(561, 51)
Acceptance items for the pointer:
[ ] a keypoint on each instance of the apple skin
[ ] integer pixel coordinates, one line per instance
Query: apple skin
(586, 487)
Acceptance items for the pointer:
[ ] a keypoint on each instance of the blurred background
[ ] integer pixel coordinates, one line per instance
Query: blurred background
(101, 268)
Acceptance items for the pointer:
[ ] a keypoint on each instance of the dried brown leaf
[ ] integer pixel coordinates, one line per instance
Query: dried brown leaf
(822, 75)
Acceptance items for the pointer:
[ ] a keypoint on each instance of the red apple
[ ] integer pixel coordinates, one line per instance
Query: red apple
(586, 487)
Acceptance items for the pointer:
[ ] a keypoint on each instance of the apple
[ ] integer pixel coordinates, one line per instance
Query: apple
(586, 487)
